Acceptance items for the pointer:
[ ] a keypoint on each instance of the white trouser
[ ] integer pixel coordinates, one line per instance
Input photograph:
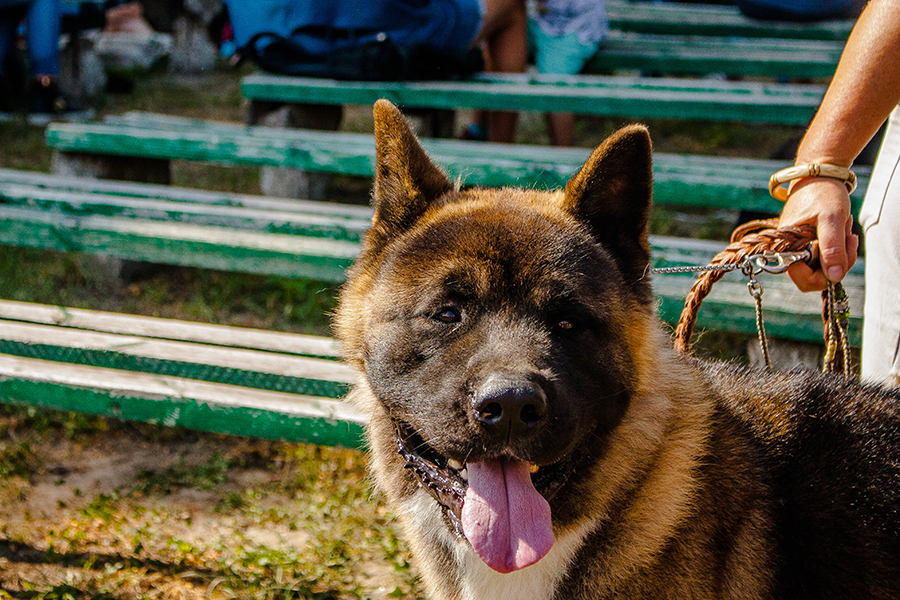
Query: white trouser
(880, 220)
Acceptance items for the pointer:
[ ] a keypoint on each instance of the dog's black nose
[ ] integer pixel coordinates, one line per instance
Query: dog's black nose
(510, 408)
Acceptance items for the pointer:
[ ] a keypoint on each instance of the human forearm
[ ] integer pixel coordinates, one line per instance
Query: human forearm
(863, 91)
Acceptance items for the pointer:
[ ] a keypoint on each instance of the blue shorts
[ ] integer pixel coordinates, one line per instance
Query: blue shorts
(562, 54)
(449, 26)
(41, 32)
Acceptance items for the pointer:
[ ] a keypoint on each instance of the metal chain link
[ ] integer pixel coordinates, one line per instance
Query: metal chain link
(691, 269)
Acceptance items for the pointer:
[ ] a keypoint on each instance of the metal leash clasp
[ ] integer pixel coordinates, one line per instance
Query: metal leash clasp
(774, 262)
(770, 262)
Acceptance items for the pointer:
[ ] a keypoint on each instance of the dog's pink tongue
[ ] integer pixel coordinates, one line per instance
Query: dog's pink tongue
(504, 518)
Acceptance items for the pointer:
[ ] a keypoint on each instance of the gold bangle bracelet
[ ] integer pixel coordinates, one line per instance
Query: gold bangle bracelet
(809, 170)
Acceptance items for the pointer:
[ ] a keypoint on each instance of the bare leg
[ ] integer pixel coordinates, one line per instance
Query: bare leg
(505, 34)
(562, 128)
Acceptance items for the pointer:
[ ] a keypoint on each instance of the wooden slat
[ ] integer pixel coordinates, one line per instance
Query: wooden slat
(178, 402)
(170, 329)
(190, 353)
(678, 180)
(186, 244)
(633, 97)
(675, 18)
(673, 54)
(287, 220)
(14, 181)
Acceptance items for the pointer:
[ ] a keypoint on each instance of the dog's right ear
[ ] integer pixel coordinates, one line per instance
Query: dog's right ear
(406, 181)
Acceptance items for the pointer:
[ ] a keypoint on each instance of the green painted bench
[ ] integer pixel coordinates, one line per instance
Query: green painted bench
(319, 240)
(141, 144)
(168, 225)
(632, 97)
(674, 38)
(692, 18)
(213, 378)
(652, 37)
(216, 378)
(697, 55)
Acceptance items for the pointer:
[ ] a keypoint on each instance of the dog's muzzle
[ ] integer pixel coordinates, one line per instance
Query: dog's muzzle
(446, 480)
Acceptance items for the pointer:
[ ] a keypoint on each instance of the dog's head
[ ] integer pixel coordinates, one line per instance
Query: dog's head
(492, 330)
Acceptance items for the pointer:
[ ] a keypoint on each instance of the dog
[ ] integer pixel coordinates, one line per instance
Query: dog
(538, 437)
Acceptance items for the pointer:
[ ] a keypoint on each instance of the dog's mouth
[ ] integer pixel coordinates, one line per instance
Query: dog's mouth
(499, 505)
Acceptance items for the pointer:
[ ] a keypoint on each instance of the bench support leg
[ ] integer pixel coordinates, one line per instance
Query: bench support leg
(435, 123)
(787, 354)
(108, 272)
(286, 182)
(106, 166)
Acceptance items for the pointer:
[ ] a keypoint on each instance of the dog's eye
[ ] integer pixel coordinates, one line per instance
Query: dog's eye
(565, 324)
(448, 314)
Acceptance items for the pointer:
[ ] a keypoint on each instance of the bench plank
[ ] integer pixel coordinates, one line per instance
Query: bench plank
(171, 329)
(633, 97)
(729, 183)
(289, 220)
(178, 402)
(710, 19)
(248, 368)
(14, 182)
(675, 54)
(221, 248)
(179, 374)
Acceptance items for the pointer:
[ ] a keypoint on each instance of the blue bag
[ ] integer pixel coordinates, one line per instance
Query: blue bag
(348, 39)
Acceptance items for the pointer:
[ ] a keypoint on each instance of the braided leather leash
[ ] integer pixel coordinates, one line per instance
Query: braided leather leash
(758, 238)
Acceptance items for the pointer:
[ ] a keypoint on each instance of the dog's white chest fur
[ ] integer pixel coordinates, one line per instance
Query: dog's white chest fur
(480, 582)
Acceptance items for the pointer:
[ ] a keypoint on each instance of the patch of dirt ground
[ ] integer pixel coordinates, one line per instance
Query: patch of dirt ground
(133, 511)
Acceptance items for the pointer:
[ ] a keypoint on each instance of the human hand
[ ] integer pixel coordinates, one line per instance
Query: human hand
(824, 203)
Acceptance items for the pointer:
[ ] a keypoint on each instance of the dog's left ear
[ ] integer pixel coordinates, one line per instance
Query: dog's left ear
(611, 194)
(406, 181)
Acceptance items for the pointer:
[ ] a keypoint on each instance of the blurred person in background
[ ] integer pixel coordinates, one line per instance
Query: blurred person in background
(565, 34)
(299, 37)
(562, 35)
(40, 92)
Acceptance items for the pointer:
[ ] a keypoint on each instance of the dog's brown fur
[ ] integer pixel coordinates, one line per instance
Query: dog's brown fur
(687, 479)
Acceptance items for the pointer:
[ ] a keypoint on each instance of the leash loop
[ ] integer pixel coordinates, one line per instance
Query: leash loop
(756, 247)
(836, 319)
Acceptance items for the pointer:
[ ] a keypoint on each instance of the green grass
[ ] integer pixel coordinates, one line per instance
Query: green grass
(22, 147)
